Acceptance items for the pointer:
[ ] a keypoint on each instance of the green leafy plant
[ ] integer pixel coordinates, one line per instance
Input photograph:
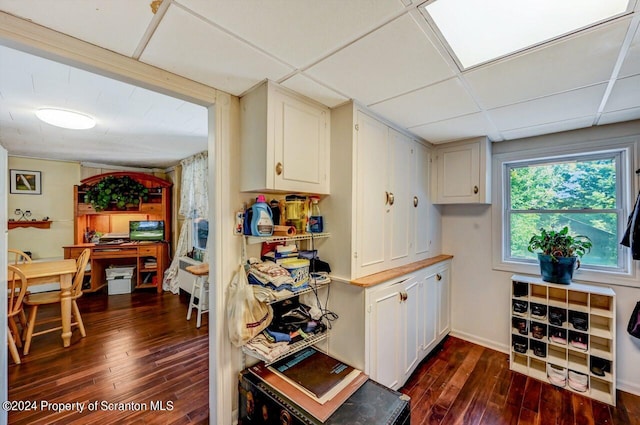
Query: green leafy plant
(119, 190)
(560, 243)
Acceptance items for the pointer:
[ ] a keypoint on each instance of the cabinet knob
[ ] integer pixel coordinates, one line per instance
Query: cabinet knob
(391, 198)
(475, 189)
(438, 276)
(403, 296)
(415, 201)
(279, 168)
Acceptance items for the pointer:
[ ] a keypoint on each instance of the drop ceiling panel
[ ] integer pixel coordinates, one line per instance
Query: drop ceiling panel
(472, 125)
(297, 32)
(434, 103)
(395, 59)
(620, 116)
(555, 127)
(116, 25)
(308, 87)
(550, 109)
(624, 95)
(631, 64)
(206, 54)
(578, 61)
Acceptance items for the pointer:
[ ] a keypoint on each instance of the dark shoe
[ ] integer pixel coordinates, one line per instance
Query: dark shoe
(600, 366)
(578, 320)
(559, 336)
(538, 311)
(539, 350)
(557, 316)
(520, 289)
(520, 347)
(578, 341)
(520, 307)
(537, 331)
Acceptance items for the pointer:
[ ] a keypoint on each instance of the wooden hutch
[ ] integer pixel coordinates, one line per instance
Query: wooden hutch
(151, 259)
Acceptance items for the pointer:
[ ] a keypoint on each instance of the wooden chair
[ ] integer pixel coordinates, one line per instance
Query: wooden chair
(17, 257)
(17, 287)
(45, 298)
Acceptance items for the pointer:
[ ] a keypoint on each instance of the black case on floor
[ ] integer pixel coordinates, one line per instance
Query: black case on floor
(371, 404)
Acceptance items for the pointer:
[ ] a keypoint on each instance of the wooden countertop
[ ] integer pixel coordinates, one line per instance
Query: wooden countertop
(375, 279)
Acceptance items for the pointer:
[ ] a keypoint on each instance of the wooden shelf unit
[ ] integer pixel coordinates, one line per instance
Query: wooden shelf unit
(596, 303)
(157, 206)
(38, 224)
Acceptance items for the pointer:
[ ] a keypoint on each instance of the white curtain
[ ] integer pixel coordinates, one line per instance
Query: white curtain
(194, 203)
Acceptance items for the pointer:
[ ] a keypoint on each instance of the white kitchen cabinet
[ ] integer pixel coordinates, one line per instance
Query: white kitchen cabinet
(386, 329)
(385, 207)
(463, 172)
(284, 139)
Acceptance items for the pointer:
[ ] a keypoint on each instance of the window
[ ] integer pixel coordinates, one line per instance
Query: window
(200, 233)
(583, 192)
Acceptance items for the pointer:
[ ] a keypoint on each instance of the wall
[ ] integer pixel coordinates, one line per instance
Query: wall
(480, 294)
(56, 202)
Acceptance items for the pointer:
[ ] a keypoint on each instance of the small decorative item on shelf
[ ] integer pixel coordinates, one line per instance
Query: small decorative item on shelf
(560, 252)
(118, 190)
(24, 215)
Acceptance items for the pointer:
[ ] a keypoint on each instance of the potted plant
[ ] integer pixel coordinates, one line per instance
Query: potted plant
(560, 252)
(121, 191)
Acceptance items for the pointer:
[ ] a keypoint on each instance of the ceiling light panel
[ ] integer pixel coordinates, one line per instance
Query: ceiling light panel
(481, 31)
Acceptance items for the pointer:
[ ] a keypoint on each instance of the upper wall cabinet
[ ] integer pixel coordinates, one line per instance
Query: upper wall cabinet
(284, 142)
(462, 172)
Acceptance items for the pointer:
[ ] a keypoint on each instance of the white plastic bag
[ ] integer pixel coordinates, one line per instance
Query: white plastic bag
(246, 316)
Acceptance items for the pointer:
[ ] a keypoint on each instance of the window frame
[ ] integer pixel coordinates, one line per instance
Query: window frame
(623, 264)
(552, 147)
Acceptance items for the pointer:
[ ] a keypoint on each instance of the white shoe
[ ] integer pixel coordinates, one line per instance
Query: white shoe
(557, 375)
(578, 381)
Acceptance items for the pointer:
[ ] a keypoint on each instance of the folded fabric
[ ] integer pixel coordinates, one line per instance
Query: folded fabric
(278, 336)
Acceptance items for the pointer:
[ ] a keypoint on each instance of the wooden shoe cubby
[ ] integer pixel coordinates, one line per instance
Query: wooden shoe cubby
(595, 303)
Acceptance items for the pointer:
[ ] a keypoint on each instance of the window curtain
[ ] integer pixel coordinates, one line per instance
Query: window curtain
(194, 202)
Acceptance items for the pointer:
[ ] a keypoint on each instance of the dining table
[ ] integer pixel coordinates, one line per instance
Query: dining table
(58, 271)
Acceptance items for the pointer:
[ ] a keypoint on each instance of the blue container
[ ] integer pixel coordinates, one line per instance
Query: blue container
(262, 219)
(559, 270)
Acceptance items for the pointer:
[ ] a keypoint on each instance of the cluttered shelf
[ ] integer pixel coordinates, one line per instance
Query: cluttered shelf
(291, 349)
(250, 240)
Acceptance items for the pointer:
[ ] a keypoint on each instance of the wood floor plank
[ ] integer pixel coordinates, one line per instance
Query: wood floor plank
(139, 349)
(503, 397)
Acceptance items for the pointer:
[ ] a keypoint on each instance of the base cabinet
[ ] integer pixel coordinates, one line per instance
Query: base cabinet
(565, 335)
(388, 328)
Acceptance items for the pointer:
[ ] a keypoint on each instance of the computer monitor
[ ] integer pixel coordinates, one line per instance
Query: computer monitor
(148, 230)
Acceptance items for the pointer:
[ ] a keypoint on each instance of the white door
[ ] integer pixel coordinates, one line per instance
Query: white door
(421, 202)
(301, 145)
(4, 354)
(386, 335)
(429, 310)
(458, 173)
(371, 190)
(410, 311)
(400, 200)
(444, 302)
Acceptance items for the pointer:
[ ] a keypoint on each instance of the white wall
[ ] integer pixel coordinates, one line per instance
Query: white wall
(480, 306)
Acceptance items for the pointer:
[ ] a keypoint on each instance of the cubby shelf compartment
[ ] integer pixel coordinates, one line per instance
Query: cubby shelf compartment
(595, 303)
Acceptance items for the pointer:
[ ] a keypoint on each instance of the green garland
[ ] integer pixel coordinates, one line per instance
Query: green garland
(121, 191)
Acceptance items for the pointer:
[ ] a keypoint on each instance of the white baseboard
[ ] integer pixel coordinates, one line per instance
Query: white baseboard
(628, 387)
(480, 341)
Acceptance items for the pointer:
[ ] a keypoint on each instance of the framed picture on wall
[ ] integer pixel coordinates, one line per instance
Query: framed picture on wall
(25, 182)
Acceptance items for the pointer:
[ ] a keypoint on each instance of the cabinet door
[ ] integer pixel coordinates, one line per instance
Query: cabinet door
(444, 302)
(463, 172)
(385, 339)
(400, 200)
(410, 313)
(429, 311)
(421, 202)
(301, 145)
(371, 192)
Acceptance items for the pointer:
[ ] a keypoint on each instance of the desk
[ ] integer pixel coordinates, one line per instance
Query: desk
(150, 258)
(54, 271)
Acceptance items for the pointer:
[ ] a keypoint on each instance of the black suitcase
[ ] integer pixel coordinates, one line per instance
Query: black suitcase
(371, 404)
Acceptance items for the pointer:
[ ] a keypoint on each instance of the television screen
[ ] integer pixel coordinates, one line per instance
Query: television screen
(150, 230)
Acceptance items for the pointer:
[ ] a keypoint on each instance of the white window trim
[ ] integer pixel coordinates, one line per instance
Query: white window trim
(627, 172)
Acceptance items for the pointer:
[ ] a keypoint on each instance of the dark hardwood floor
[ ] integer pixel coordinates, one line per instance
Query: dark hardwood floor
(463, 383)
(139, 349)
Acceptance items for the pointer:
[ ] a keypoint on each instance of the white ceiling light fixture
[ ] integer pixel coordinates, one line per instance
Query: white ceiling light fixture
(481, 31)
(66, 119)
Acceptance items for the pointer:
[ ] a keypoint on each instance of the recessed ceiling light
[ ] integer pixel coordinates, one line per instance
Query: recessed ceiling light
(66, 119)
(480, 31)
